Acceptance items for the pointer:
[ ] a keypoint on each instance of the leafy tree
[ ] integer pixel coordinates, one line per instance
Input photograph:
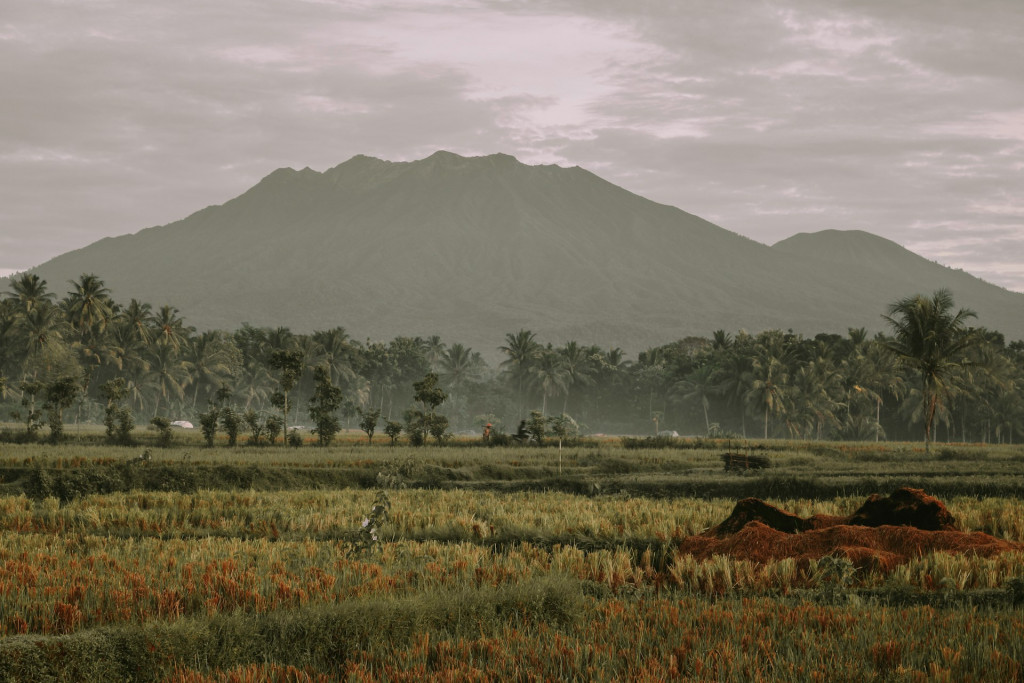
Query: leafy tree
(393, 430)
(60, 394)
(930, 339)
(208, 424)
(30, 415)
(368, 422)
(118, 419)
(536, 426)
(289, 365)
(323, 406)
(230, 423)
(563, 427)
(417, 423)
(438, 428)
(274, 426)
(430, 395)
(163, 428)
(256, 428)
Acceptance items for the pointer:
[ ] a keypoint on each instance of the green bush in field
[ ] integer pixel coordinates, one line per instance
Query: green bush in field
(368, 422)
(273, 424)
(163, 428)
(60, 394)
(256, 427)
(117, 418)
(230, 422)
(393, 430)
(208, 424)
(324, 405)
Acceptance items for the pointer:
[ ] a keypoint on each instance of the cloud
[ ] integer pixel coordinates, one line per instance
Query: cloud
(904, 119)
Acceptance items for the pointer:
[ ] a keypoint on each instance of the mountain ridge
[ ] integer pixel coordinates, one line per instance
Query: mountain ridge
(474, 247)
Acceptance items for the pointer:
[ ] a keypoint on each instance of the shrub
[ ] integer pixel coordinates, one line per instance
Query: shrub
(163, 428)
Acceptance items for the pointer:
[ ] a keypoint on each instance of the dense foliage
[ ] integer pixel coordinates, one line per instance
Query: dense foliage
(87, 357)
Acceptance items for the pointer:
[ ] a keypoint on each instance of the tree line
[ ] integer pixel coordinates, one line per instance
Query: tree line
(93, 359)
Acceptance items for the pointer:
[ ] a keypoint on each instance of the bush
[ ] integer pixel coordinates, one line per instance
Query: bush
(163, 428)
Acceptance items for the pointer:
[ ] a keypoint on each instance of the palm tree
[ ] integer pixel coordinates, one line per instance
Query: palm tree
(168, 375)
(138, 318)
(459, 365)
(88, 306)
(170, 328)
(549, 375)
(522, 350)
(335, 352)
(698, 387)
(770, 373)
(41, 329)
(29, 291)
(817, 386)
(870, 374)
(577, 361)
(930, 339)
(213, 361)
(734, 380)
(433, 351)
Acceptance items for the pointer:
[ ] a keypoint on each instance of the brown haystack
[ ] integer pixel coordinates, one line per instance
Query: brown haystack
(756, 510)
(881, 534)
(905, 507)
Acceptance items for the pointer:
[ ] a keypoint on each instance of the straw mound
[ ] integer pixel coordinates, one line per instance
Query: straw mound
(881, 534)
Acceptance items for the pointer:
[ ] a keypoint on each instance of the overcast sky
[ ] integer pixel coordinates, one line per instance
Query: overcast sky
(903, 118)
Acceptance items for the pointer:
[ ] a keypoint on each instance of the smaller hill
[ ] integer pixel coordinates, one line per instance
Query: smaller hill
(884, 271)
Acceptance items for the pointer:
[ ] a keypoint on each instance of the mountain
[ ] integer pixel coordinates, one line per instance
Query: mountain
(473, 248)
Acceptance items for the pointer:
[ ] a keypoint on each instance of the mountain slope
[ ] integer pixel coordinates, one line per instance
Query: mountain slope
(881, 270)
(472, 248)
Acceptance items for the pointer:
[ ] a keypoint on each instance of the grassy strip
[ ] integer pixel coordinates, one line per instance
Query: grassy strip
(67, 484)
(322, 637)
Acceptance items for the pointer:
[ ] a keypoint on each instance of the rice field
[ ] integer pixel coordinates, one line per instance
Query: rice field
(478, 579)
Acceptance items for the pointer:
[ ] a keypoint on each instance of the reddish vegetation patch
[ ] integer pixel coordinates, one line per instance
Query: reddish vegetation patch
(905, 507)
(881, 534)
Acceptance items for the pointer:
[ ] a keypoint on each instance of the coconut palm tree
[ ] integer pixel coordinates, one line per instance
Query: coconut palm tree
(522, 351)
(774, 359)
(88, 306)
(335, 352)
(41, 331)
(930, 339)
(577, 361)
(167, 377)
(549, 376)
(698, 387)
(213, 361)
(138, 318)
(433, 351)
(170, 329)
(29, 291)
(459, 366)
